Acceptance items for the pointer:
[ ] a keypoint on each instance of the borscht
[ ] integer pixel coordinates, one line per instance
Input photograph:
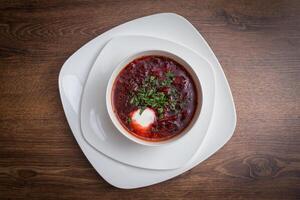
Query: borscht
(154, 98)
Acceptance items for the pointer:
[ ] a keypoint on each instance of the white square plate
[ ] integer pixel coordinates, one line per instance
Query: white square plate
(171, 27)
(98, 129)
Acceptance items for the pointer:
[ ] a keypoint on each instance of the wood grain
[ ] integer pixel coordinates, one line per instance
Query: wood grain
(258, 45)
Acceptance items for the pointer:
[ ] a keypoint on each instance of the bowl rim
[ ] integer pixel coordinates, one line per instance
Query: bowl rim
(109, 93)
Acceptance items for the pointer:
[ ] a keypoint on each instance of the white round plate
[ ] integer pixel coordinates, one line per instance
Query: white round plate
(74, 73)
(98, 129)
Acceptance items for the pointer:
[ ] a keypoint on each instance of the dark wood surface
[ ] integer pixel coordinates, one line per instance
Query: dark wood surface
(258, 45)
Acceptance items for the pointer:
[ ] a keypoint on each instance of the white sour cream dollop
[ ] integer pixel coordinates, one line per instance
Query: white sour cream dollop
(145, 119)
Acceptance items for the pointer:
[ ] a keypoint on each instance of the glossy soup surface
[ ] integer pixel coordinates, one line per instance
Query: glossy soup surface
(158, 84)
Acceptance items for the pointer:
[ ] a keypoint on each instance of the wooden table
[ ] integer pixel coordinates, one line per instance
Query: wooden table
(258, 45)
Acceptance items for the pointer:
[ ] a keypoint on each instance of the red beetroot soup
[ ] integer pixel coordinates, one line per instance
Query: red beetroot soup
(154, 98)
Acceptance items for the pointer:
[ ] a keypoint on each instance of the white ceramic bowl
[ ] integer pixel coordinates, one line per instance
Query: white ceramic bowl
(111, 110)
